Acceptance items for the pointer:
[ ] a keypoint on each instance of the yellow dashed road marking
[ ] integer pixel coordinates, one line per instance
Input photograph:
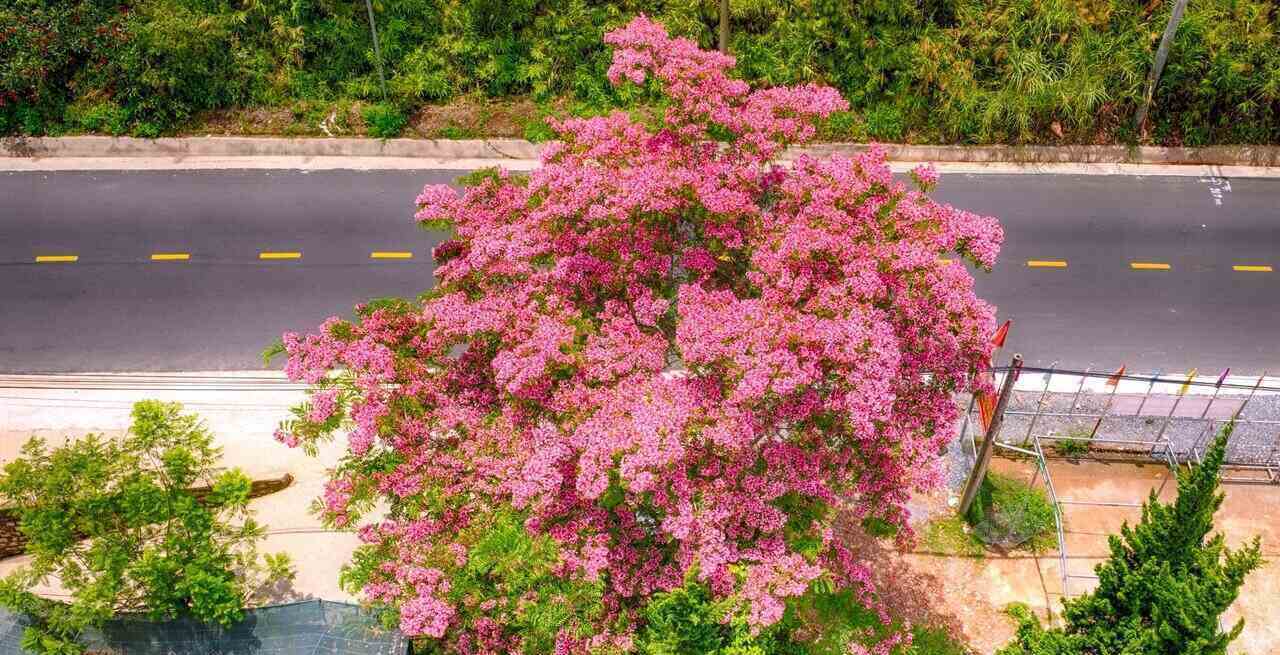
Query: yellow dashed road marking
(945, 260)
(1149, 266)
(170, 256)
(1252, 269)
(380, 254)
(1046, 263)
(279, 255)
(54, 259)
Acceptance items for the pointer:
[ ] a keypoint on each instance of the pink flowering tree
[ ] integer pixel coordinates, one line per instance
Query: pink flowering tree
(667, 356)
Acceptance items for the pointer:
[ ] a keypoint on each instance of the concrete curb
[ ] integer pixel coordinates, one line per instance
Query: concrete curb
(518, 149)
(217, 146)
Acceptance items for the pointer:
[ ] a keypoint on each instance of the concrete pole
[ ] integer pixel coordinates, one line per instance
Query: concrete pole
(1162, 54)
(724, 26)
(979, 472)
(377, 49)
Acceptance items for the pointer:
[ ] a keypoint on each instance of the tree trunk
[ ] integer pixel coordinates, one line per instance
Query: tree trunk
(724, 26)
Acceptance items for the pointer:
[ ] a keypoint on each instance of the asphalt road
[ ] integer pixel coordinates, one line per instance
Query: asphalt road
(114, 308)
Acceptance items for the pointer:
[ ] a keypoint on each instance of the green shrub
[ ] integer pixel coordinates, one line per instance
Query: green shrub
(384, 120)
(104, 116)
(123, 526)
(1072, 448)
(884, 123)
(1222, 81)
(687, 621)
(1009, 513)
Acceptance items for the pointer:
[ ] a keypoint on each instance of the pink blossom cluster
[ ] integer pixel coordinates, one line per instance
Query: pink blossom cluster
(660, 349)
(323, 405)
(425, 614)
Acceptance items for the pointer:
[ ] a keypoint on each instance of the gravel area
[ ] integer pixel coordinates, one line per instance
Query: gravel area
(1134, 423)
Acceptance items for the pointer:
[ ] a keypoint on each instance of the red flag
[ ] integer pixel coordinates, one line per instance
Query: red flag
(986, 408)
(987, 399)
(1001, 333)
(1115, 377)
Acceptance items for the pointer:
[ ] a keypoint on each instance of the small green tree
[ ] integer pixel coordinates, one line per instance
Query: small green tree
(1165, 585)
(145, 524)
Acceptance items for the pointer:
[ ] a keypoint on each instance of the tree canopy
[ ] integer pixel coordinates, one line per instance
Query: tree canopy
(670, 354)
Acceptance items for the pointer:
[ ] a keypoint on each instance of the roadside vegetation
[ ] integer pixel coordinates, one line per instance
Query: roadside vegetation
(927, 71)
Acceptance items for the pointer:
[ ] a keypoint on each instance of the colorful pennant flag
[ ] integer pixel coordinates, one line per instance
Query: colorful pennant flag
(986, 408)
(1191, 375)
(1114, 380)
(987, 399)
(1001, 333)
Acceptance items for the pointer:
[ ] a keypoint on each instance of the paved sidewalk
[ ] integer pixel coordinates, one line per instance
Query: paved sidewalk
(242, 410)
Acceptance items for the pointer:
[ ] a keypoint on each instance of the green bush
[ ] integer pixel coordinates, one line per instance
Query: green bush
(106, 117)
(687, 621)
(884, 123)
(1010, 513)
(384, 120)
(1074, 448)
(148, 524)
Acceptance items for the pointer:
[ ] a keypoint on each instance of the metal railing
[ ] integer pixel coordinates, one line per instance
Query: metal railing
(1169, 419)
(1161, 418)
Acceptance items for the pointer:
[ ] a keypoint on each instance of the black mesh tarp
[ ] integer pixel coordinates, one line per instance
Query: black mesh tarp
(11, 627)
(312, 627)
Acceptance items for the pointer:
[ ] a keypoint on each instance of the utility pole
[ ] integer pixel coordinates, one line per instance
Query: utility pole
(724, 26)
(979, 472)
(377, 49)
(1162, 54)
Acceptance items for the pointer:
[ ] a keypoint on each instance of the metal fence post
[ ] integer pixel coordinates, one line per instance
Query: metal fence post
(1217, 388)
(1079, 390)
(1199, 442)
(1111, 398)
(1151, 386)
(1035, 418)
(1168, 417)
(1182, 391)
(1240, 409)
(979, 472)
(964, 427)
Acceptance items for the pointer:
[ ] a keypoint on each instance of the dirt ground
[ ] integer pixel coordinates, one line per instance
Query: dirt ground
(969, 594)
